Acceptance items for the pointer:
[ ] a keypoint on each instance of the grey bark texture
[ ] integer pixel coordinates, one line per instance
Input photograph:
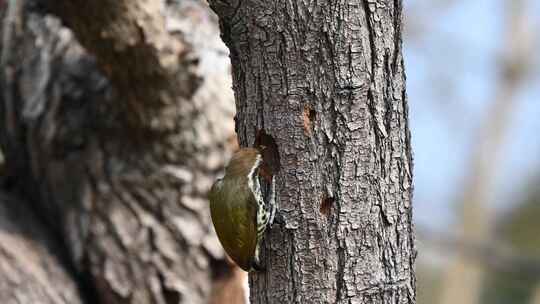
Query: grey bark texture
(29, 271)
(326, 81)
(114, 154)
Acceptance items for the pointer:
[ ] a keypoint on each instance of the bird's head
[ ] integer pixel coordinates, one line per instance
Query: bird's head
(243, 163)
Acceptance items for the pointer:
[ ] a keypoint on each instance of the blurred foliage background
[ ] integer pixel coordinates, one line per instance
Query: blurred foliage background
(473, 73)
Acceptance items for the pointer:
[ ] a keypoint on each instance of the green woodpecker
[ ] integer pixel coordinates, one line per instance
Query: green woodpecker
(241, 209)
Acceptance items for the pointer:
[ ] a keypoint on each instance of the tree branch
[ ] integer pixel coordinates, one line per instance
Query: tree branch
(485, 253)
(11, 35)
(464, 278)
(148, 67)
(29, 268)
(133, 218)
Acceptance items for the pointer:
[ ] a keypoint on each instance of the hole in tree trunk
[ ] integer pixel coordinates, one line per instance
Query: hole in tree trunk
(269, 150)
(308, 116)
(326, 205)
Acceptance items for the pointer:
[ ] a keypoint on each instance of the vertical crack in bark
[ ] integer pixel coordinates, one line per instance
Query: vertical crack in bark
(11, 34)
(340, 273)
(260, 105)
(397, 37)
(388, 94)
(371, 39)
(292, 268)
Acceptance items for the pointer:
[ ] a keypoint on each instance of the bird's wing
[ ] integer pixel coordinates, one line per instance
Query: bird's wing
(234, 217)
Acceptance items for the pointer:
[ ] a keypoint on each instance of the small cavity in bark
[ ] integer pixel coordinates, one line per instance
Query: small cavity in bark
(326, 205)
(269, 150)
(308, 116)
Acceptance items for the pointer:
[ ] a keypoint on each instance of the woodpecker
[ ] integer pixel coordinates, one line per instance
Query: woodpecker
(241, 210)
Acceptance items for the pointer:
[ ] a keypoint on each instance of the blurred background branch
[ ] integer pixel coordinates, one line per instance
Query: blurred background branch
(472, 71)
(488, 255)
(462, 282)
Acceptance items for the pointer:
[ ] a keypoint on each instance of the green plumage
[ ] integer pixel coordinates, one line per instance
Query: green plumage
(234, 210)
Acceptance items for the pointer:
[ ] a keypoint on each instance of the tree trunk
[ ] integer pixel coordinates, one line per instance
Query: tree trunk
(325, 83)
(116, 163)
(535, 298)
(29, 271)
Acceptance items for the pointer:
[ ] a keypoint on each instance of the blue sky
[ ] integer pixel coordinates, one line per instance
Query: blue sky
(452, 64)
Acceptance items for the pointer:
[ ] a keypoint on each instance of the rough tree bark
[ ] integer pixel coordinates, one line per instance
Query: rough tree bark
(113, 157)
(29, 271)
(325, 82)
